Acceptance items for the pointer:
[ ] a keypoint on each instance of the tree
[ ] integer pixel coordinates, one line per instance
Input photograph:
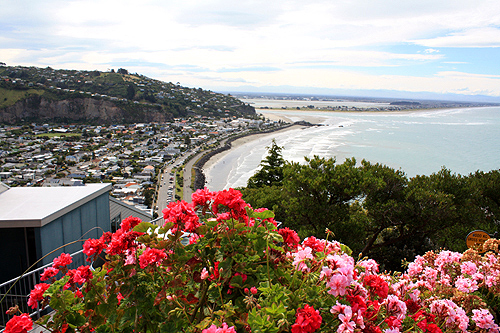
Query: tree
(130, 92)
(271, 171)
(318, 196)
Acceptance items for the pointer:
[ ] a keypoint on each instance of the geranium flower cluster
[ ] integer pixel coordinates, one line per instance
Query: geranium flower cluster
(239, 273)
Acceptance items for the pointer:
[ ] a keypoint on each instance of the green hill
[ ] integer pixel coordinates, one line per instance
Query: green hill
(31, 94)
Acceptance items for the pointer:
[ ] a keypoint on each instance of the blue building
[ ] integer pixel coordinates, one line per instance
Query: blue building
(34, 221)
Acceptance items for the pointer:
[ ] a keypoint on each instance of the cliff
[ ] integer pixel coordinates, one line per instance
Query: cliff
(40, 109)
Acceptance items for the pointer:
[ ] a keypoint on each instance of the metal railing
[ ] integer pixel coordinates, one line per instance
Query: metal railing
(16, 291)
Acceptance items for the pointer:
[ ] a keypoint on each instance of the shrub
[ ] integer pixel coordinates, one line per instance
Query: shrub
(239, 273)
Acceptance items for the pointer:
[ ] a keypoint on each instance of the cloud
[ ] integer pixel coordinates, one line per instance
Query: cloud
(260, 42)
(479, 37)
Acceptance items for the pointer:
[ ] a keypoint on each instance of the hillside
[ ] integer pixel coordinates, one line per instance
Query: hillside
(32, 94)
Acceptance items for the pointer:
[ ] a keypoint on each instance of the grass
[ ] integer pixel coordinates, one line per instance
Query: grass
(51, 135)
(9, 97)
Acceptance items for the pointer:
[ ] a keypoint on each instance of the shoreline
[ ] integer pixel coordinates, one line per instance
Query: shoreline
(238, 142)
(206, 162)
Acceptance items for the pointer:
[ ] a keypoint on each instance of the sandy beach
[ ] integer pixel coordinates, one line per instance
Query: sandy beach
(223, 158)
(242, 141)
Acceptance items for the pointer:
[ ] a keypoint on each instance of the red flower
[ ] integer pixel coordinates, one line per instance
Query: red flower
(121, 241)
(314, 244)
(376, 285)
(151, 256)
(202, 198)
(130, 222)
(37, 294)
(243, 277)
(82, 274)
(92, 247)
(215, 274)
(308, 320)
(19, 324)
(425, 321)
(290, 237)
(372, 310)
(182, 215)
(370, 328)
(232, 200)
(393, 321)
(412, 306)
(62, 261)
(48, 273)
(357, 302)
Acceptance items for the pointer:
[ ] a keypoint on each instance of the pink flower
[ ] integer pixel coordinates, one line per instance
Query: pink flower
(484, 319)
(392, 330)
(466, 285)
(131, 259)
(300, 257)
(454, 316)
(204, 273)
(253, 290)
(395, 307)
(468, 268)
(338, 284)
(223, 329)
(48, 273)
(151, 256)
(370, 266)
(19, 324)
(347, 325)
(62, 261)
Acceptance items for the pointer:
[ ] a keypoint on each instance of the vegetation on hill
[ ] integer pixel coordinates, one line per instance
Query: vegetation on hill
(374, 209)
(33, 89)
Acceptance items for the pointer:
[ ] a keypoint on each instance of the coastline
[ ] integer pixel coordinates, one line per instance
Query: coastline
(242, 141)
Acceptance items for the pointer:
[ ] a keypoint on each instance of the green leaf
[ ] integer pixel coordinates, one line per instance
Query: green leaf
(75, 320)
(267, 214)
(144, 226)
(346, 249)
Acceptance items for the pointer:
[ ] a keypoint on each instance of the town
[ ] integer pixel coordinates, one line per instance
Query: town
(131, 157)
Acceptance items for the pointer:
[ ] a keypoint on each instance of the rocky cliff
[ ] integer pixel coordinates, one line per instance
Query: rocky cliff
(90, 110)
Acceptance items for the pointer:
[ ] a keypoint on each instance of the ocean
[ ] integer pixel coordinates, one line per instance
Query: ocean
(417, 142)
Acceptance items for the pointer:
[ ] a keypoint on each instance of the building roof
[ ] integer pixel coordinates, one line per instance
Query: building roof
(38, 206)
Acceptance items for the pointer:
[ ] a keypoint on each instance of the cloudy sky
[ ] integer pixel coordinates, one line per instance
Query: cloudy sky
(439, 46)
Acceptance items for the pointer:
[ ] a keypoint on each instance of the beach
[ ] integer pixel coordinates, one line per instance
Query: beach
(243, 141)
(219, 167)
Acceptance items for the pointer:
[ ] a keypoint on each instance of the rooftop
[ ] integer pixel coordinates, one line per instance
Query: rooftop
(38, 206)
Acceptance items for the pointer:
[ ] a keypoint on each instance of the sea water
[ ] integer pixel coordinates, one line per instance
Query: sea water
(417, 142)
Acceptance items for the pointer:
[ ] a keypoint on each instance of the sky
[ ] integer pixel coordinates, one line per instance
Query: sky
(437, 46)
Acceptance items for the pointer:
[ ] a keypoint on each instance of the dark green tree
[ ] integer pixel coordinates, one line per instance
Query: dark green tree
(130, 92)
(271, 171)
(318, 196)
